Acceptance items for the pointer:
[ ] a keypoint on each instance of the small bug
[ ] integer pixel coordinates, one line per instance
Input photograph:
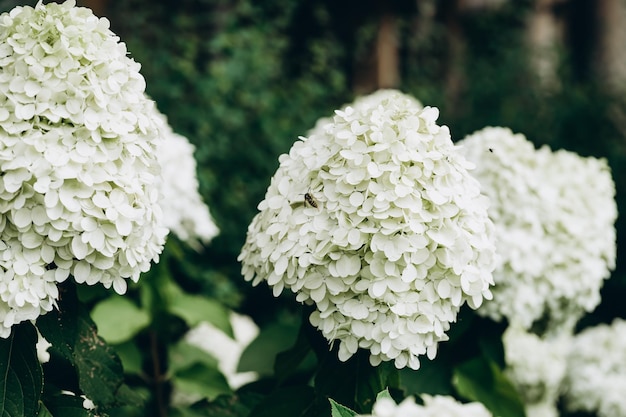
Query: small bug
(310, 200)
(491, 150)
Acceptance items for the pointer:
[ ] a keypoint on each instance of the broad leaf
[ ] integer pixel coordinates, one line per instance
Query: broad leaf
(354, 383)
(286, 402)
(195, 309)
(74, 336)
(259, 356)
(21, 377)
(63, 405)
(118, 319)
(295, 358)
(481, 380)
(338, 410)
(202, 380)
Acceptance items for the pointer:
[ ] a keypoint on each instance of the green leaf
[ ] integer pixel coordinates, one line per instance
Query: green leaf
(200, 379)
(286, 402)
(481, 380)
(62, 405)
(195, 309)
(384, 394)
(43, 411)
(434, 377)
(184, 355)
(21, 377)
(291, 360)
(74, 336)
(131, 357)
(354, 383)
(118, 319)
(234, 405)
(338, 410)
(259, 356)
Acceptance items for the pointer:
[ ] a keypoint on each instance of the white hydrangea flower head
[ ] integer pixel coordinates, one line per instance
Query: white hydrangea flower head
(434, 406)
(595, 381)
(536, 367)
(78, 193)
(554, 214)
(363, 102)
(379, 224)
(184, 211)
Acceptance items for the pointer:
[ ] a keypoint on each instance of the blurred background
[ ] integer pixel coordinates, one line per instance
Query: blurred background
(243, 79)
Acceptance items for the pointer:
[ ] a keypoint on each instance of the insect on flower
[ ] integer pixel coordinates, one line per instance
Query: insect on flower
(310, 200)
(307, 201)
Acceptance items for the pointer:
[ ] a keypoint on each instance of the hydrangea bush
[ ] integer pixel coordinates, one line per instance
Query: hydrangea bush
(376, 221)
(78, 141)
(554, 214)
(434, 406)
(596, 371)
(536, 367)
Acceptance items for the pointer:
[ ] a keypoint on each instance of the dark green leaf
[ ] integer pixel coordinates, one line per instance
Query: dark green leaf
(195, 309)
(62, 405)
(202, 380)
(131, 357)
(259, 356)
(285, 402)
(118, 319)
(43, 411)
(21, 377)
(434, 377)
(183, 355)
(236, 405)
(74, 336)
(354, 383)
(338, 410)
(289, 361)
(481, 380)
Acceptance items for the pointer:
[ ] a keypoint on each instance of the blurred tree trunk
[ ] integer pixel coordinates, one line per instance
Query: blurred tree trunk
(387, 65)
(380, 69)
(545, 36)
(456, 55)
(99, 7)
(610, 54)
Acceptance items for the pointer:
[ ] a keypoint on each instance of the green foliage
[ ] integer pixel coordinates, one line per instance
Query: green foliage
(481, 380)
(338, 410)
(77, 349)
(21, 381)
(242, 80)
(118, 319)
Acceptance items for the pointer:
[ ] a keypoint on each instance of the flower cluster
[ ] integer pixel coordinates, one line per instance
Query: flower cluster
(536, 367)
(184, 212)
(434, 406)
(377, 222)
(77, 160)
(370, 101)
(595, 381)
(554, 214)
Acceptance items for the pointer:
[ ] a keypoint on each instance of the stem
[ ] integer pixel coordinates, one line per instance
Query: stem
(158, 377)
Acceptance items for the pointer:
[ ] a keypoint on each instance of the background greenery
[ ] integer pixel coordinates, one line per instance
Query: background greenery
(242, 80)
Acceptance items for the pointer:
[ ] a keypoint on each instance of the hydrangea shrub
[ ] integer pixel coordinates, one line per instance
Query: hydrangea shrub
(536, 367)
(554, 213)
(596, 371)
(434, 406)
(376, 220)
(78, 141)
